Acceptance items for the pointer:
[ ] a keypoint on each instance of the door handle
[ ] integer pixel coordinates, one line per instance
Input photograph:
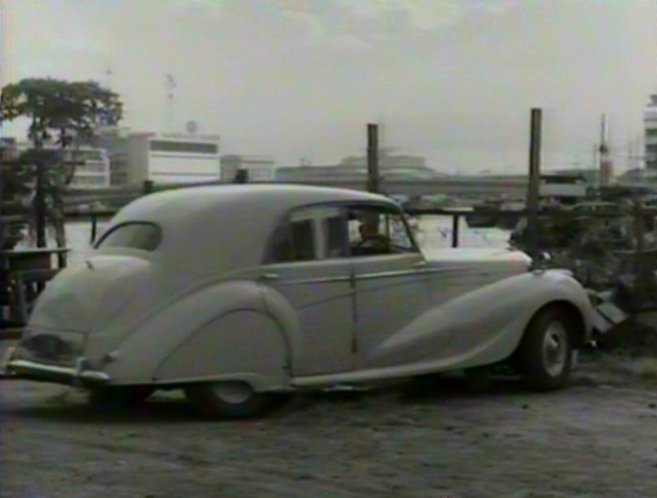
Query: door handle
(421, 264)
(269, 276)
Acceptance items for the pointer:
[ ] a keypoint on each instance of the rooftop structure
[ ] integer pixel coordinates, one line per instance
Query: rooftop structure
(258, 168)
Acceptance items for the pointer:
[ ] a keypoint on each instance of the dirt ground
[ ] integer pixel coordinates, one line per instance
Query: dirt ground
(441, 439)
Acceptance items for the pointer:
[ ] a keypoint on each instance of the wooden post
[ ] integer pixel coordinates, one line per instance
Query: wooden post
(455, 230)
(94, 228)
(373, 158)
(534, 182)
(40, 200)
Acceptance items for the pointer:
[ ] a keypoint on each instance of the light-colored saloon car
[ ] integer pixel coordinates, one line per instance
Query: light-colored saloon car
(236, 293)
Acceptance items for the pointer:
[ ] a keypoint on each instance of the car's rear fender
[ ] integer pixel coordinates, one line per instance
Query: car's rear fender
(147, 353)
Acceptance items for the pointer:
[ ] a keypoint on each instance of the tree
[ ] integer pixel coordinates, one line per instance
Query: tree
(73, 110)
(66, 112)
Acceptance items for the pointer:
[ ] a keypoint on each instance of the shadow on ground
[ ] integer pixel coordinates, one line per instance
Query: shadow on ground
(69, 405)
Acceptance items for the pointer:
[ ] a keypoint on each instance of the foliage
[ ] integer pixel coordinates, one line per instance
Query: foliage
(18, 190)
(71, 109)
(65, 112)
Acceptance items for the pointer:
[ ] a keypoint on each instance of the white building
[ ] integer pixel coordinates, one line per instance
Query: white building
(92, 164)
(172, 158)
(92, 167)
(258, 168)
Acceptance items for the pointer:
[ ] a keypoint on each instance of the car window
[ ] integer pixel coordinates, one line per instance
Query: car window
(374, 230)
(335, 236)
(137, 235)
(303, 240)
(314, 233)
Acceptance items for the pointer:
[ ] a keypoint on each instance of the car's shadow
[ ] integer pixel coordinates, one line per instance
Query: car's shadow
(428, 391)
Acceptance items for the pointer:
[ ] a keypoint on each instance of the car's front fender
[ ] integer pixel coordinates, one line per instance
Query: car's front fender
(483, 326)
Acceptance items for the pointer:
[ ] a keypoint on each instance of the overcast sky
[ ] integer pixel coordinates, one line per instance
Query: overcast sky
(452, 80)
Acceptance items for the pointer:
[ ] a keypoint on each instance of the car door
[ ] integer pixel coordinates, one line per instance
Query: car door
(391, 279)
(308, 268)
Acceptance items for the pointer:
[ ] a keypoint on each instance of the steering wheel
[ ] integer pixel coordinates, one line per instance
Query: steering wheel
(373, 241)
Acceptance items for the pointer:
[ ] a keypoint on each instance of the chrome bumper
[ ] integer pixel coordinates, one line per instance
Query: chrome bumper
(39, 371)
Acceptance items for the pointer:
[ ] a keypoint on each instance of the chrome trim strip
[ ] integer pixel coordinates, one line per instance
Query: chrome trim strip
(384, 274)
(322, 280)
(71, 372)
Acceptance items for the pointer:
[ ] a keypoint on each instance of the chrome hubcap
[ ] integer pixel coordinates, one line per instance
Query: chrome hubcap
(233, 392)
(555, 349)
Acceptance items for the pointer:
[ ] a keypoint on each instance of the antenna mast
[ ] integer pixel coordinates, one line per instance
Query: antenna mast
(108, 76)
(170, 85)
(605, 166)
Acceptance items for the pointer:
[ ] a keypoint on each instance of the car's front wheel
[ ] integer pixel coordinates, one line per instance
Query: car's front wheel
(228, 400)
(545, 352)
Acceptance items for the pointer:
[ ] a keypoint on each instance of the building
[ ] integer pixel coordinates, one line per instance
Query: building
(158, 157)
(172, 158)
(114, 140)
(258, 168)
(391, 167)
(563, 188)
(650, 127)
(92, 167)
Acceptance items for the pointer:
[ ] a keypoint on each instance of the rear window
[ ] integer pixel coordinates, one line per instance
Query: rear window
(144, 236)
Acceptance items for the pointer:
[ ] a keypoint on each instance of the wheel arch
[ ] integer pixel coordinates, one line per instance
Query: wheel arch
(241, 344)
(573, 312)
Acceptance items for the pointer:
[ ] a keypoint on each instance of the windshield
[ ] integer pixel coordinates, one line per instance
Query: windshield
(136, 235)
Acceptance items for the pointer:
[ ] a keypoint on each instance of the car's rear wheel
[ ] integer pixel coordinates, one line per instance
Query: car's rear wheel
(119, 396)
(545, 352)
(228, 400)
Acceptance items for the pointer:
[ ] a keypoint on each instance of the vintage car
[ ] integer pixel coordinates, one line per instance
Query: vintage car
(238, 293)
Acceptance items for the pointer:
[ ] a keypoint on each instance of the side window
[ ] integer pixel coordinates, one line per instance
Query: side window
(377, 230)
(293, 241)
(133, 235)
(303, 240)
(400, 237)
(312, 233)
(335, 236)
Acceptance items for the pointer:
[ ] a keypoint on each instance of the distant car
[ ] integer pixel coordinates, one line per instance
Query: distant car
(237, 293)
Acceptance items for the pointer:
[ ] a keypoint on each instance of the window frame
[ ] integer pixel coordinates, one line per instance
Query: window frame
(321, 239)
(103, 237)
(389, 211)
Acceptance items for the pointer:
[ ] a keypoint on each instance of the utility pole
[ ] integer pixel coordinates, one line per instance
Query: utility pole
(533, 187)
(372, 158)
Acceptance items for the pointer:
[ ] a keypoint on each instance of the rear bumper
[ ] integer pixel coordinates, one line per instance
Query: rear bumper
(24, 369)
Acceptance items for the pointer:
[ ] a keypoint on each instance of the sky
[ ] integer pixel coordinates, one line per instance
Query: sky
(451, 80)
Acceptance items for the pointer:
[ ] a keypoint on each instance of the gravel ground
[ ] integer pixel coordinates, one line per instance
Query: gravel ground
(443, 438)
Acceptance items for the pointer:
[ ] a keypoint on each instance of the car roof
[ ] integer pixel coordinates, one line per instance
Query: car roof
(229, 224)
(277, 197)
